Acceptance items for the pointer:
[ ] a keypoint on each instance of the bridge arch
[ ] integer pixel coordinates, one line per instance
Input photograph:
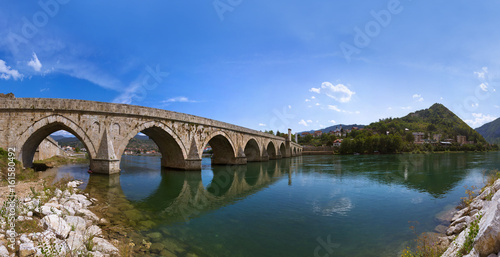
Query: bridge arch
(224, 150)
(31, 138)
(171, 147)
(271, 150)
(252, 151)
(283, 150)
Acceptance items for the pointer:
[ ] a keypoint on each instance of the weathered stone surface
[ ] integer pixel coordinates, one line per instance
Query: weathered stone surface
(75, 241)
(104, 246)
(88, 214)
(465, 219)
(76, 223)
(93, 231)
(57, 224)
(456, 229)
(460, 213)
(488, 238)
(4, 251)
(26, 249)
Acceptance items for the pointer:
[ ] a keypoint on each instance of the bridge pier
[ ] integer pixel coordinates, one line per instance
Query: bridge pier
(105, 166)
(188, 164)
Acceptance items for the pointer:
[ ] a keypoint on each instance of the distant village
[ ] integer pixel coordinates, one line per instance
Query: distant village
(419, 137)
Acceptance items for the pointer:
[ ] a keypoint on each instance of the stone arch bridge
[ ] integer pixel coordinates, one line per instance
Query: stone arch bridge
(106, 128)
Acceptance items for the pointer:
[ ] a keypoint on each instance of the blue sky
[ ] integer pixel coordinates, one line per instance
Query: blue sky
(259, 64)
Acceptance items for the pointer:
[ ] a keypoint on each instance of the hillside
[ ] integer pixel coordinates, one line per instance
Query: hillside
(491, 131)
(436, 120)
(334, 127)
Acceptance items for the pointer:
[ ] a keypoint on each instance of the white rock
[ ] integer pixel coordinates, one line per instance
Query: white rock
(26, 249)
(57, 224)
(27, 199)
(455, 245)
(97, 254)
(3, 251)
(88, 214)
(104, 246)
(54, 200)
(476, 204)
(72, 184)
(49, 210)
(485, 193)
(20, 218)
(488, 239)
(69, 210)
(492, 255)
(29, 214)
(58, 192)
(76, 222)
(456, 229)
(73, 204)
(496, 185)
(75, 241)
(93, 231)
(460, 213)
(25, 239)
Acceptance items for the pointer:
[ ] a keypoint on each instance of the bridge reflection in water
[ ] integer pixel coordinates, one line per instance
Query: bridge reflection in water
(182, 196)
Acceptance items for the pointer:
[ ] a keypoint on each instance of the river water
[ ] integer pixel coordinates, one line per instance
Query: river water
(302, 206)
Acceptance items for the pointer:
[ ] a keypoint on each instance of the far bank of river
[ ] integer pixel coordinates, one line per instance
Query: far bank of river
(286, 207)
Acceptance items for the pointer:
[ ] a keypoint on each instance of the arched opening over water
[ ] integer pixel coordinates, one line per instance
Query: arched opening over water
(252, 151)
(53, 140)
(154, 140)
(283, 150)
(271, 150)
(223, 150)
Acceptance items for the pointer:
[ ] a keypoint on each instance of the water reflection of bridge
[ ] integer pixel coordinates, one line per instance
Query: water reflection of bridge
(181, 196)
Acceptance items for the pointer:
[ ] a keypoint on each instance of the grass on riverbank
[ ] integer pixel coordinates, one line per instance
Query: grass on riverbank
(56, 161)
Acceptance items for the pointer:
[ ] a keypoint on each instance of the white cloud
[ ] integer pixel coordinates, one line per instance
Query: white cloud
(406, 108)
(481, 74)
(332, 121)
(179, 99)
(497, 106)
(315, 90)
(309, 121)
(418, 97)
(63, 133)
(389, 108)
(262, 124)
(35, 63)
(131, 92)
(338, 92)
(313, 97)
(307, 100)
(303, 122)
(479, 119)
(6, 72)
(289, 107)
(44, 89)
(317, 104)
(484, 87)
(333, 107)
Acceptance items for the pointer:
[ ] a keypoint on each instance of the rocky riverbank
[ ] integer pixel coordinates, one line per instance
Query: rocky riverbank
(475, 230)
(53, 222)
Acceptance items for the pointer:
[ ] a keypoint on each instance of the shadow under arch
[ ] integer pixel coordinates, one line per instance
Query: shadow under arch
(35, 134)
(271, 150)
(171, 147)
(252, 151)
(283, 150)
(224, 151)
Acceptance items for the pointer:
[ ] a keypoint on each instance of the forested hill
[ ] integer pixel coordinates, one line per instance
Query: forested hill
(436, 120)
(491, 131)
